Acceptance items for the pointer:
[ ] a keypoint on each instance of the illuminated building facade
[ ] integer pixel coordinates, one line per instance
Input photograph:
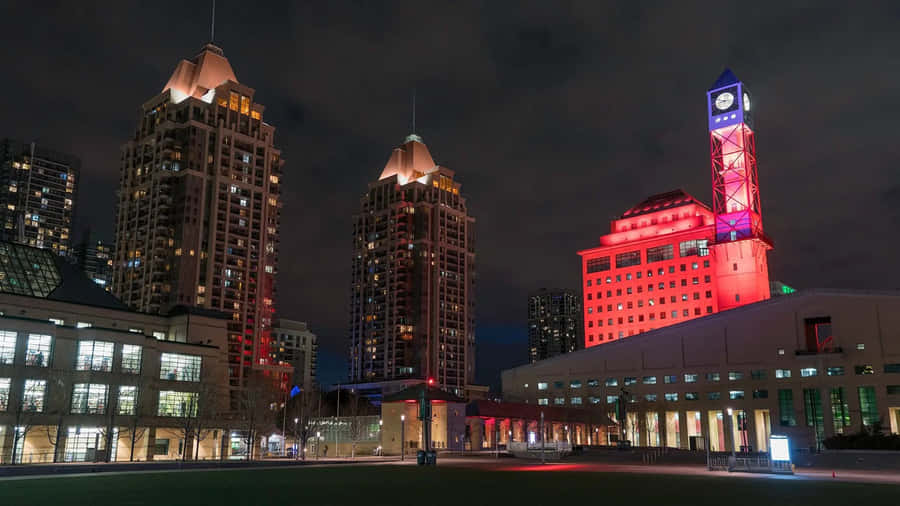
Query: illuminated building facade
(554, 323)
(199, 208)
(37, 195)
(412, 283)
(95, 260)
(296, 346)
(671, 258)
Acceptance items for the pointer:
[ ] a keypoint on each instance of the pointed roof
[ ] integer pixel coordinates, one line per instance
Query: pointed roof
(409, 161)
(727, 77)
(198, 76)
(667, 200)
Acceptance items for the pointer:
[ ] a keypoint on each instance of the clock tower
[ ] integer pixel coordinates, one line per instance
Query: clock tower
(740, 246)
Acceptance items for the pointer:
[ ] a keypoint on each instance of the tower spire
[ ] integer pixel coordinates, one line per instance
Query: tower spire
(212, 25)
(413, 112)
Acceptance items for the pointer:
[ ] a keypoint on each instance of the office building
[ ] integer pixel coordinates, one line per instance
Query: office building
(296, 346)
(38, 187)
(95, 259)
(83, 378)
(671, 258)
(198, 212)
(412, 296)
(808, 365)
(554, 323)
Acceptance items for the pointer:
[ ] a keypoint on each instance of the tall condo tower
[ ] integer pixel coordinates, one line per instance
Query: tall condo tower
(670, 258)
(412, 294)
(740, 245)
(198, 210)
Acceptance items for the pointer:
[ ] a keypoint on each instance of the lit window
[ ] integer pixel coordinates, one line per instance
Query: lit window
(860, 346)
(612, 382)
(89, 399)
(649, 380)
(593, 383)
(127, 400)
(835, 371)
(712, 376)
(33, 395)
(671, 396)
(782, 373)
(57, 321)
(4, 393)
(650, 397)
(690, 377)
(611, 399)
(736, 394)
(781, 351)
(94, 356)
(136, 330)
(575, 384)
(863, 369)
(670, 379)
(180, 404)
(559, 401)
(7, 347)
(629, 380)
(178, 367)
(84, 325)
(575, 400)
(713, 396)
(38, 350)
(160, 336)
(543, 401)
(542, 385)
(131, 359)
(735, 375)
(806, 372)
(691, 396)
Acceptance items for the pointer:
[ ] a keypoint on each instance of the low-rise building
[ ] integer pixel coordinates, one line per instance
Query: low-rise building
(83, 378)
(809, 365)
(295, 345)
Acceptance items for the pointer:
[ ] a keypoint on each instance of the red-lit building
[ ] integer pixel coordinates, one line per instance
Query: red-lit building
(671, 258)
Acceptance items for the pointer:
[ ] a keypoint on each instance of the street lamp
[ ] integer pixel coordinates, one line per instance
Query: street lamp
(318, 435)
(380, 437)
(731, 433)
(296, 440)
(402, 436)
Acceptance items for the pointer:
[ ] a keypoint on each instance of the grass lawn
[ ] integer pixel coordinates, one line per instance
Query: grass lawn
(396, 486)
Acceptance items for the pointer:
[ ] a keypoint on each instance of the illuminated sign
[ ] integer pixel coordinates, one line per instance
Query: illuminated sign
(779, 448)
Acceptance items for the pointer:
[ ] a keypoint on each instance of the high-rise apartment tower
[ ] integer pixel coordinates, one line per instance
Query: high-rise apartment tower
(198, 211)
(554, 323)
(412, 294)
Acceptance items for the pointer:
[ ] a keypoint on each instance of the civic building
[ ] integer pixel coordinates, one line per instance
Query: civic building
(82, 378)
(807, 365)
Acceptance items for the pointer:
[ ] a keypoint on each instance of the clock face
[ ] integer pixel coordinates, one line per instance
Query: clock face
(746, 102)
(724, 101)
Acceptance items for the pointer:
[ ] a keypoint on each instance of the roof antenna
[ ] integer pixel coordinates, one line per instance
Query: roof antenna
(212, 26)
(414, 112)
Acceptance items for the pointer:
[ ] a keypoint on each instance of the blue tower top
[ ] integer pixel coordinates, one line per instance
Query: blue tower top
(724, 80)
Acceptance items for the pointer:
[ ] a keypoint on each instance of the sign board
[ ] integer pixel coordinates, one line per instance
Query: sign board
(779, 448)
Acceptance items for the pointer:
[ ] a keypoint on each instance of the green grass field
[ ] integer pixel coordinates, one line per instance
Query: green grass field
(396, 486)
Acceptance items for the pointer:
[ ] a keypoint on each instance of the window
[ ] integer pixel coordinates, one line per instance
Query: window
(892, 368)
(691, 396)
(806, 372)
(127, 400)
(131, 359)
(612, 399)
(597, 264)
(650, 397)
(180, 404)
(161, 336)
(735, 375)
(649, 380)
(760, 394)
(782, 373)
(136, 331)
(559, 385)
(575, 384)
(736, 394)
(864, 369)
(94, 356)
(593, 383)
(690, 377)
(543, 401)
(630, 380)
(835, 371)
(7, 347)
(559, 401)
(38, 350)
(57, 321)
(33, 395)
(659, 253)
(712, 376)
(818, 334)
(713, 396)
(670, 379)
(84, 325)
(575, 400)
(628, 259)
(786, 408)
(758, 374)
(815, 417)
(868, 408)
(612, 382)
(89, 399)
(178, 367)
(781, 351)
(594, 400)
(891, 389)
(693, 247)
(860, 346)
(840, 411)
(4, 393)
(671, 396)
(542, 385)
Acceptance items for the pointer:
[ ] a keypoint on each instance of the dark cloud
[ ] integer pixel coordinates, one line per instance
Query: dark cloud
(556, 116)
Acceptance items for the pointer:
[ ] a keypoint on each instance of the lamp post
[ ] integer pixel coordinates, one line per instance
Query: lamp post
(296, 440)
(380, 437)
(318, 435)
(731, 430)
(402, 437)
(542, 437)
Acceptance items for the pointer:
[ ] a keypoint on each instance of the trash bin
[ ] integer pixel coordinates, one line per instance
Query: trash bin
(431, 458)
(420, 457)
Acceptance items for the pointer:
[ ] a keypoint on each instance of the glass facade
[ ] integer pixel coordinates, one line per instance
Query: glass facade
(815, 418)
(786, 408)
(839, 410)
(868, 407)
(27, 271)
(33, 395)
(127, 400)
(94, 356)
(178, 367)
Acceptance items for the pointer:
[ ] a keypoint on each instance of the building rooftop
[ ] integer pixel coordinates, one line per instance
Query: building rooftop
(411, 160)
(200, 76)
(661, 201)
(727, 77)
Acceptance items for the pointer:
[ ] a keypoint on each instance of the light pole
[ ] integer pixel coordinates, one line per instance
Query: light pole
(318, 435)
(542, 437)
(402, 437)
(380, 437)
(731, 430)
(296, 440)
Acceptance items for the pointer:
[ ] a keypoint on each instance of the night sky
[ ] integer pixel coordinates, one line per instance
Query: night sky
(556, 117)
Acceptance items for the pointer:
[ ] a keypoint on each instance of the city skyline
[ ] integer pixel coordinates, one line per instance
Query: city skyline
(585, 143)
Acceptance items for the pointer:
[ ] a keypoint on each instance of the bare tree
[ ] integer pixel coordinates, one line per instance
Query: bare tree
(24, 413)
(258, 401)
(300, 419)
(59, 399)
